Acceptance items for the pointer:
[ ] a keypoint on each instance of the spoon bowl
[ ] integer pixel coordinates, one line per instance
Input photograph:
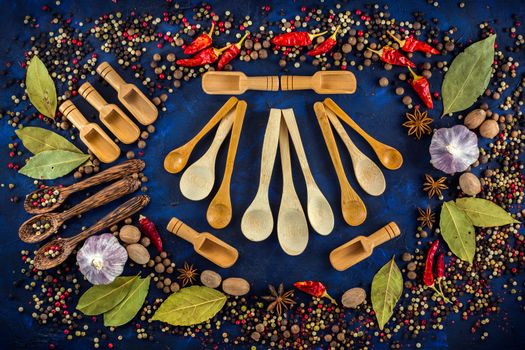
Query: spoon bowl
(391, 158)
(354, 211)
(197, 181)
(177, 159)
(32, 209)
(369, 176)
(257, 221)
(320, 213)
(292, 230)
(28, 235)
(219, 214)
(44, 262)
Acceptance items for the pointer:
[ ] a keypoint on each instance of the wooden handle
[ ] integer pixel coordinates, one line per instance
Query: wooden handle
(182, 230)
(296, 82)
(91, 95)
(265, 83)
(384, 234)
(71, 112)
(269, 149)
(352, 148)
(286, 162)
(222, 132)
(110, 75)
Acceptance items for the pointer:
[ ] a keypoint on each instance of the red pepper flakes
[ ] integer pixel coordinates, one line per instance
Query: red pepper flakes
(202, 42)
(325, 46)
(148, 228)
(295, 39)
(317, 289)
(421, 86)
(412, 45)
(392, 56)
(231, 52)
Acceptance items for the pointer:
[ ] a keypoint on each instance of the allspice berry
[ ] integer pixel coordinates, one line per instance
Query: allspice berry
(469, 184)
(489, 129)
(475, 118)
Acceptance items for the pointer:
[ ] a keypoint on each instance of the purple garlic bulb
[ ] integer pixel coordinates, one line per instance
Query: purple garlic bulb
(453, 149)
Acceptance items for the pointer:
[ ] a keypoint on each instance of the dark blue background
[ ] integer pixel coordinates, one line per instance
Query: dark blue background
(377, 109)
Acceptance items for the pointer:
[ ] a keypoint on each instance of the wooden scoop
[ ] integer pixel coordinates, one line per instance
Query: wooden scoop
(353, 208)
(116, 172)
(236, 83)
(129, 95)
(388, 156)
(219, 212)
(104, 196)
(177, 159)
(322, 82)
(91, 134)
(207, 245)
(67, 245)
(111, 115)
(361, 247)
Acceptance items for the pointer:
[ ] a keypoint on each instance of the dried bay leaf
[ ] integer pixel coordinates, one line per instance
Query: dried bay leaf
(130, 305)
(387, 287)
(458, 231)
(48, 165)
(37, 140)
(102, 298)
(468, 76)
(41, 88)
(484, 213)
(190, 306)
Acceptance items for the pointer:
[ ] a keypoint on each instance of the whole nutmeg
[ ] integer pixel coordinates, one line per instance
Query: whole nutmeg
(138, 253)
(129, 234)
(354, 297)
(235, 286)
(211, 278)
(475, 118)
(489, 129)
(469, 184)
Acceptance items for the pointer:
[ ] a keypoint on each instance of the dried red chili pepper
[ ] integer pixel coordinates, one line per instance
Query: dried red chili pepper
(206, 56)
(200, 43)
(148, 228)
(325, 46)
(428, 275)
(317, 289)
(390, 55)
(421, 86)
(440, 267)
(295, 38)
(412, 45)
(231, 52)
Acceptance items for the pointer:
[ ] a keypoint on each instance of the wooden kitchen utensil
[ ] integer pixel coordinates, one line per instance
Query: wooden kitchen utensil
(361, 247)
(55, 220)
(177, 159)
(111, 115)
(353, 208)
(236, 83)
(67, 245)
(390, 157)
(207, 245)
(129, 95)
(219, 212)
(115, 172)
(319, 211)
(322, 82)
(257, 221)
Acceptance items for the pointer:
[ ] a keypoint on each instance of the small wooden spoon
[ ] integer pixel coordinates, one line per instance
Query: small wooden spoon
(115, 172)
(367, 173)
(390, 157)
(67, 245)
(292, 228)
(257, 221)
(353, 208)
(322, 82)
(176, 160)
(319, 211)
(219, 212)
(236, 83)
(197, 181)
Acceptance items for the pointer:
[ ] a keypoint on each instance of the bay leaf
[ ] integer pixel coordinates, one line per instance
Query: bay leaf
(37, 140)
(468, 76)
(484, 213)
(190, 306)
(48, 165)
(130, 305)
(104, 297)
(457, 231)
(387, 287)
(41, 88)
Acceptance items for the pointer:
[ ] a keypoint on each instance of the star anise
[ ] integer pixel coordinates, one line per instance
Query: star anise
(434, 187)
(280, 300)
(427, 218)
(418, 123)
(187, 275)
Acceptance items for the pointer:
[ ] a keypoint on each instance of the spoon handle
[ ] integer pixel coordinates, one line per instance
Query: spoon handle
(269, 149)
(223, 130)
(264, 83)
(286, 161)
(350, 145)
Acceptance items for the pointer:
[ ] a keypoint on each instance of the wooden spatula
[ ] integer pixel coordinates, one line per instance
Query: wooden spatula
(323, 82)
(236, 83)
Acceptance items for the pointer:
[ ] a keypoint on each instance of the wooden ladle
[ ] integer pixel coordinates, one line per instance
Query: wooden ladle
(390, 157)
(361, 247)
(177, 159)
(322, 82)
(219, 212)
(55, 220)
(67, 245)
(115, 172)
(207, 245)
(353, 208)
(236, 83)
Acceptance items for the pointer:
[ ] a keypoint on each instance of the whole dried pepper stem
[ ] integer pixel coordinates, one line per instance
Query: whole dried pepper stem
(428, 275)
(412, 45)
(314, 288)
(148, 228)
(295, 38)
(202, 42)
(421, 86)
(390, 55)
(231, 52)
(440, 272)
(206, 56)
(325, 46)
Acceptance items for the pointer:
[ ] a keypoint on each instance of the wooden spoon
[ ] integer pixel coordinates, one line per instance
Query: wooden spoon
(67, 245)
(176, 160)
(219, 212)
(116, 172)
(197, 181)
(292, 228)
(236, 83)
(55, 220)
(319, 211)
(257, 221)
(353, 208)
(322, 82)
(367, 173)
(390, 157)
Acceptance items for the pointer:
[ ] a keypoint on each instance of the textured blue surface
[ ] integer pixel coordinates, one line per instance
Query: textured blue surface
(378, 110)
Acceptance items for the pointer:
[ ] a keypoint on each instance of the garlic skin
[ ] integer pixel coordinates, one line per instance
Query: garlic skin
(453, 149)
(101, 259)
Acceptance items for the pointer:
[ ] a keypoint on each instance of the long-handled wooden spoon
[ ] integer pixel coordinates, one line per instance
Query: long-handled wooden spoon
(219, 212)
(236, 83)
(367, 173)
(54, 220)
(176, 160)
(322, 82)
(353, 208)
(115, 172)
(197, 181)
(67, 245)
(319, 211)
(390, 157)
(257, 221)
